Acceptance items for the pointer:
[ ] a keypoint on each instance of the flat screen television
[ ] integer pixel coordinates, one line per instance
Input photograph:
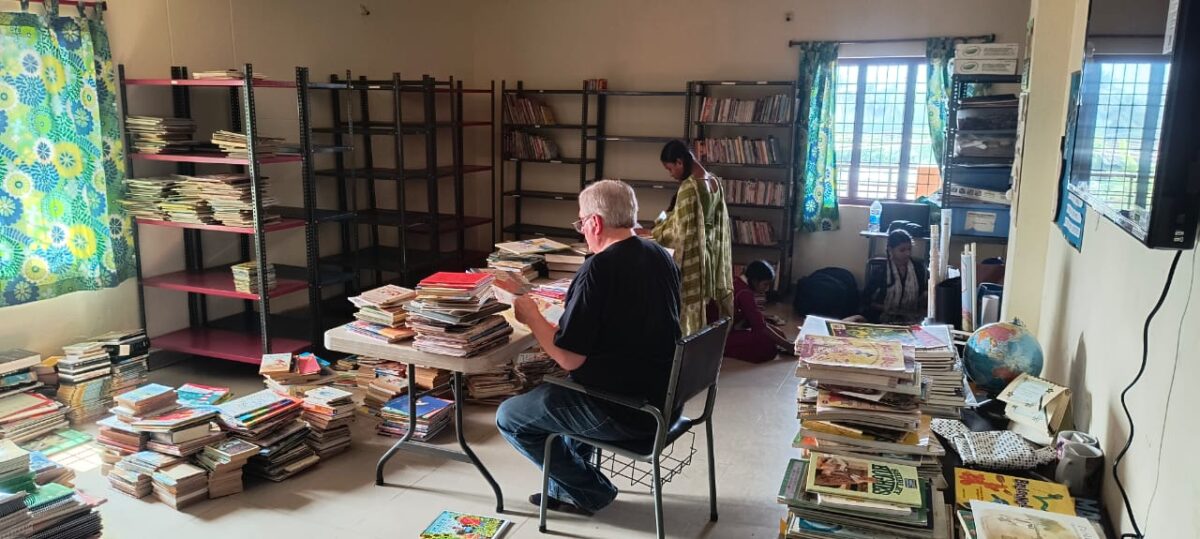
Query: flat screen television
(1136, 146)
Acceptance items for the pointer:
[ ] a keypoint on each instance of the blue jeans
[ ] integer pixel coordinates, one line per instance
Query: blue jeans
(527, 420)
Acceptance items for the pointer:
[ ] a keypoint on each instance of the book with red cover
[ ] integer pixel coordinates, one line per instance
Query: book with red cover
(448, 279)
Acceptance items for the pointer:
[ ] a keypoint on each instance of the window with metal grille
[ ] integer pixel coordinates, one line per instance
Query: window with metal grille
(881, 131)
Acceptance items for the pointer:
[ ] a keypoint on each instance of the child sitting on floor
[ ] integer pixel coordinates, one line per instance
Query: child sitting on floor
(753, 338)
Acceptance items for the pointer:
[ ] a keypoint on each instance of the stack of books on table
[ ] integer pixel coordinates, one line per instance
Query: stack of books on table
(128, 352)
(293, 375)
(933, 349)
(833, 496)
(329, 412)
(230, 197)
(565, 264)
(862, 398)
(245, 276)
(27, 415)
(455, 314)
(381, 315)
(85, 380)
(150, 134)
(132, 475)
(143, 196)
(527, 266)
(180, 485)
(17, 372)
(272, 422)
(224, 462)
(433, 414)
(235, 145)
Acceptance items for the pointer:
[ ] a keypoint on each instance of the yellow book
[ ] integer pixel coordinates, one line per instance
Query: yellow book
(818, 350)
(1009, 490)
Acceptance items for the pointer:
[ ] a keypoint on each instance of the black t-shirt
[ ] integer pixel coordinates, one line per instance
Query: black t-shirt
(622, 314)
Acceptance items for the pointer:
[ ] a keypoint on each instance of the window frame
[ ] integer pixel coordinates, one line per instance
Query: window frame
(905, 162)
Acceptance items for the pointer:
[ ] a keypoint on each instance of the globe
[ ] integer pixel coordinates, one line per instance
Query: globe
(999, 352)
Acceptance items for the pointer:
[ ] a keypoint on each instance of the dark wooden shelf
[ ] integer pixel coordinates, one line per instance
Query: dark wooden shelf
(636, 138)
(542, 230)
(518, 127)
(547, 195)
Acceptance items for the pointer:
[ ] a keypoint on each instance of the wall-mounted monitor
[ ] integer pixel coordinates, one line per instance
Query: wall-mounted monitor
(1136, 155)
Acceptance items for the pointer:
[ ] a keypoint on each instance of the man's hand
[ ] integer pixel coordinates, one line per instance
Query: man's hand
(526, 310)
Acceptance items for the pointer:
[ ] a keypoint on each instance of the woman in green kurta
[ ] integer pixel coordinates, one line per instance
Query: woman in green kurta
(696, 227)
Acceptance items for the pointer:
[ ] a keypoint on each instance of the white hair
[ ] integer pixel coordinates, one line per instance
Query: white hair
(612, 200)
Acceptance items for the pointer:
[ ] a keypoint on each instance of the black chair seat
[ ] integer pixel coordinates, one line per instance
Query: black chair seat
(646, 446)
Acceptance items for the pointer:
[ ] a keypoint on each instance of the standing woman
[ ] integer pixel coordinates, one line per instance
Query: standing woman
(696, 227)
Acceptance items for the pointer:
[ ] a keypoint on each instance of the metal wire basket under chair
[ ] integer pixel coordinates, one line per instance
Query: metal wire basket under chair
(672, 463)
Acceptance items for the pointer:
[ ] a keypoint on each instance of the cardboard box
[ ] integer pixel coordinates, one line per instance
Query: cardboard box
(987, 51)
(984, 67)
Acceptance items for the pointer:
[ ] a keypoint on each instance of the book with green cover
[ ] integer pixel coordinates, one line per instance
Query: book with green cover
(57, 442)
(46, 495)
(791, 490)
(865, 479)
(450, 525)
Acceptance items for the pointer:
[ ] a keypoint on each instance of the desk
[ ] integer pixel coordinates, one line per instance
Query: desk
(341, 340)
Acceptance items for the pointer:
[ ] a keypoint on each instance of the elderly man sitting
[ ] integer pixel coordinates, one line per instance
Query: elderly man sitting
(617, 334)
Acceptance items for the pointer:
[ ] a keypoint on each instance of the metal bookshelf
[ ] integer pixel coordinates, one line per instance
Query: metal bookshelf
(408, 260)
(780, 216)
(603, 140)
(955, 167)
(243, 337)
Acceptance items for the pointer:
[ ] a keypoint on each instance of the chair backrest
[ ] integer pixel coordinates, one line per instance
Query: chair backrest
(905, 211)
(697, 364)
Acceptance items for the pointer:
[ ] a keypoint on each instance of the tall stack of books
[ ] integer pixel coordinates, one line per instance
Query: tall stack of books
(85, 380)
(433, 414)
(16, 481)
(740, 150)
(180, 485)
(224, 462)
(381, 313)
(235, 145)
(245, 276)
(455, 314)
(272, 422)
(149, 134)
(229, 195)
(521, 110)
(143, 196)
(128, 352)
(17, 373)
(116, 440)
(329, 412)
(14, 516)
(494, 386)
(27, 415)
(293, 375)
(59, 511)
(133, 474)
(527, 266)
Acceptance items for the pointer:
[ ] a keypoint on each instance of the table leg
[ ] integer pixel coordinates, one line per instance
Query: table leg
(459, 399)
(412, 427)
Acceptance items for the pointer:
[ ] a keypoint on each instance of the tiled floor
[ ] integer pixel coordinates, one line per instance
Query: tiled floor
(754, 425)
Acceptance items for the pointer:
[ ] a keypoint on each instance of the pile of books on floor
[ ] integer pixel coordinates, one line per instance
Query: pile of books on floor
(773, 109)
(132, 475)
(521, 145)
(534, 364)
(116, 440)
(85, 380)
(180, 485)
(224, 462)
(46, 471)
(527, 266)
(933, 350)
(740, 150)
(293, 375)
(520, 110)
(456, 314)
(494, 387)
(28, 415)
(128, 352)
(144, 195)
(235, 144)
(245, 276)
(17, 371)
(149, 134)
(272, 422)
(329, 412)
(345, 371)
(173, 430)
(31, 507)
(433, 414)
(381, 314)
(230, 197)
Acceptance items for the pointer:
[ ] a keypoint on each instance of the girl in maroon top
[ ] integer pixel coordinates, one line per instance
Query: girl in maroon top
(752, 337)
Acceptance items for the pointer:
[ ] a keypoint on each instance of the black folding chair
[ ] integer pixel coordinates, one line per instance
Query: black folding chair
(694, 370)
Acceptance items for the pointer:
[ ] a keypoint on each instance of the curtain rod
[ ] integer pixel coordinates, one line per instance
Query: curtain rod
(795, 42)
(102, 5)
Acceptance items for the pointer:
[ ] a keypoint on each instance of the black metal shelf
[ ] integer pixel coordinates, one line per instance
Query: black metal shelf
(745, 124)
(744, 82)
(322, 216)
(388, 258)
(658, 185)
(444, 171)
(327, 275)
(633, 138)
(754, 206)
(781, 166)
(571, 127)
(954, 165)
(545, 92)
(526, 229)
(640, 93)
(548, 195)
(386, 128)
(559, 161)
(418, 222)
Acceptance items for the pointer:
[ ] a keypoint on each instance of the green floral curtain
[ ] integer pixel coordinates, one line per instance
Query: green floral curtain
(939, 51)
(60, 160)
(816, 163)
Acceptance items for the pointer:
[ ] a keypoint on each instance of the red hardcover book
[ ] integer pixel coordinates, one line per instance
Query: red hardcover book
(449, 279)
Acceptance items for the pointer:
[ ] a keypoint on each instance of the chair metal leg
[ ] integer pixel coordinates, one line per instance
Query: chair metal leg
(545, 484)
(658, 511)
(712, 474)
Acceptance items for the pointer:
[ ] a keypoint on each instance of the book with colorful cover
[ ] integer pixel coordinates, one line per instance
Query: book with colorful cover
(132, 398)
(275, 364)
(862, 478)
(845, 352)
(532, 246)
(426, 406)
(791, 490)
(58, 442)
(1009, 490)
(453, 279)
(307, 364)
(176, 419)
(830, 400)
(999, 521)
(46, 495)
(451, 525)
(905, 335)
(190, 394)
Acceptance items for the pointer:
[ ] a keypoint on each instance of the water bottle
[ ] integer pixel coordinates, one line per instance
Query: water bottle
(876, 215)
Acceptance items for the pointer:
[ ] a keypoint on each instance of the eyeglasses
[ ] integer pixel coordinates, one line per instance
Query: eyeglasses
(578, 225)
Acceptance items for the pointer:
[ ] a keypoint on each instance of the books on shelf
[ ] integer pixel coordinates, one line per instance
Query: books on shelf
(150, 134)
(449, 524)
(245, 276)
(230, 196)
(236, 144)
(521, 110)
(771, 109)
(752, 232)
(977, 194)
(755, 192)
(739, 150)
(144, 196)
(225, 74)
(521, 145)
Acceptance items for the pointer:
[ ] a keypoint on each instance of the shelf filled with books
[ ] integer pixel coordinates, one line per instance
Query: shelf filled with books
(236, 202)
(744, 131)
(423, 113)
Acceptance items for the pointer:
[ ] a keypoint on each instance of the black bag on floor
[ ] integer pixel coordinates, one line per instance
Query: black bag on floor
(828, 292)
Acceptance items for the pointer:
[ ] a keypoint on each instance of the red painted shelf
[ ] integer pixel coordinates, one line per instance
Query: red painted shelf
(282, 224)
(244, 347)
(211, 158)
(210, 82)
(217, 282)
